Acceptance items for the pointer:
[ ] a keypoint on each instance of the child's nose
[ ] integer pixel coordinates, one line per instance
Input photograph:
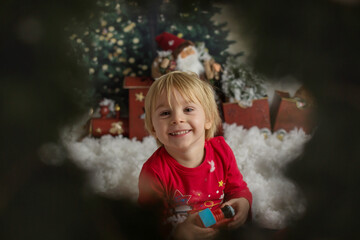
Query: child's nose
(177, 118)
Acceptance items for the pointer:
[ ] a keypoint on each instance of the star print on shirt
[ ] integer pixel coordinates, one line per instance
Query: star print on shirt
(221, 183)
(180, 199)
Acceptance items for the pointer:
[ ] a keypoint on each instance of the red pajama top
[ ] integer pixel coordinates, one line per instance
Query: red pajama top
(185, 190)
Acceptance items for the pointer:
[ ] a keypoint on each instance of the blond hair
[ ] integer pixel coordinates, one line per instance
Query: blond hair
(191, 88)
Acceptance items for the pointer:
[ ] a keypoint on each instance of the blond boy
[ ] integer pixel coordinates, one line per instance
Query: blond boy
(191, 170)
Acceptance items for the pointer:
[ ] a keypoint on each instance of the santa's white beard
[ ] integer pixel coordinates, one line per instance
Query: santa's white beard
(190, 63)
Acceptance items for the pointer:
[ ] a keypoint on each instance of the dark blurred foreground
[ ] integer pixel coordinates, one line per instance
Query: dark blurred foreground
(315, 41)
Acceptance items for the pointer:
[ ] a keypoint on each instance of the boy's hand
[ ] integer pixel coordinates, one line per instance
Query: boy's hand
(241, 207)
(190, 229)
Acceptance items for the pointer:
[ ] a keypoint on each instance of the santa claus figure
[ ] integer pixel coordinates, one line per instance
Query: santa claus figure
(181, 54)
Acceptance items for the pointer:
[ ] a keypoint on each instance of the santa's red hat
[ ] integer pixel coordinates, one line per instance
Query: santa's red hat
(168, 41)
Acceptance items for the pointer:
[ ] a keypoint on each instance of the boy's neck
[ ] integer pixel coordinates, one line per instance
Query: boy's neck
(190, 159)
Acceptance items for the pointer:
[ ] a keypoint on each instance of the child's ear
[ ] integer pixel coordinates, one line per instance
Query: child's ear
(208, 124)
(153, 132)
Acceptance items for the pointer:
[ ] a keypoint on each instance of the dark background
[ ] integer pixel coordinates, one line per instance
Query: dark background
(315, 41)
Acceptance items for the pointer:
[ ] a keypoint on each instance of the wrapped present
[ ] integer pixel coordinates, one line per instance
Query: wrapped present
(138, 88)
(108, 125)
(256, 115)
(292, 112)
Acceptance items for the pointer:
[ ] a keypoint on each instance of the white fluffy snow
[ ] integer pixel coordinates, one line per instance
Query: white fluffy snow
(114, 164)
(276, 200)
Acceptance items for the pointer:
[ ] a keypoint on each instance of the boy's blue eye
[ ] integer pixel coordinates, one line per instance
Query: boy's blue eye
(165, 113)
(188, 109)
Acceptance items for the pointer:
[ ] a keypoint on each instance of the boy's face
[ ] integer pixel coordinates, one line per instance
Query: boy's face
(181, 127)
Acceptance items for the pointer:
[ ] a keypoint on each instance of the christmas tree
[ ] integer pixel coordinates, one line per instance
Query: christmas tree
(112, 45)
(119, 41)
(194, 22)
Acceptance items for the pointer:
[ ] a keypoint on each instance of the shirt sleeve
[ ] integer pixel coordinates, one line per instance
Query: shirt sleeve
(235, 186)
(152, 196)
(151, 190)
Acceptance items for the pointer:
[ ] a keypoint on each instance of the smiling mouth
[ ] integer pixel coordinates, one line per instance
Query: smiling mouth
(179, 132)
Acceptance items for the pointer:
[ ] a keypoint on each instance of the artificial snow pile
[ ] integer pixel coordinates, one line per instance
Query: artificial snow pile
(114, 164)
(276, 200)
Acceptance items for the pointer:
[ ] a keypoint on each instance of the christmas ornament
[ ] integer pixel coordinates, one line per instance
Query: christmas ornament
(105, 124)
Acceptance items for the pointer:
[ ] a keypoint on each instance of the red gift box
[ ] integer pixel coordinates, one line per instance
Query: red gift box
(256, 115)
(289, 113)
(138, 88)
(105, 125)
